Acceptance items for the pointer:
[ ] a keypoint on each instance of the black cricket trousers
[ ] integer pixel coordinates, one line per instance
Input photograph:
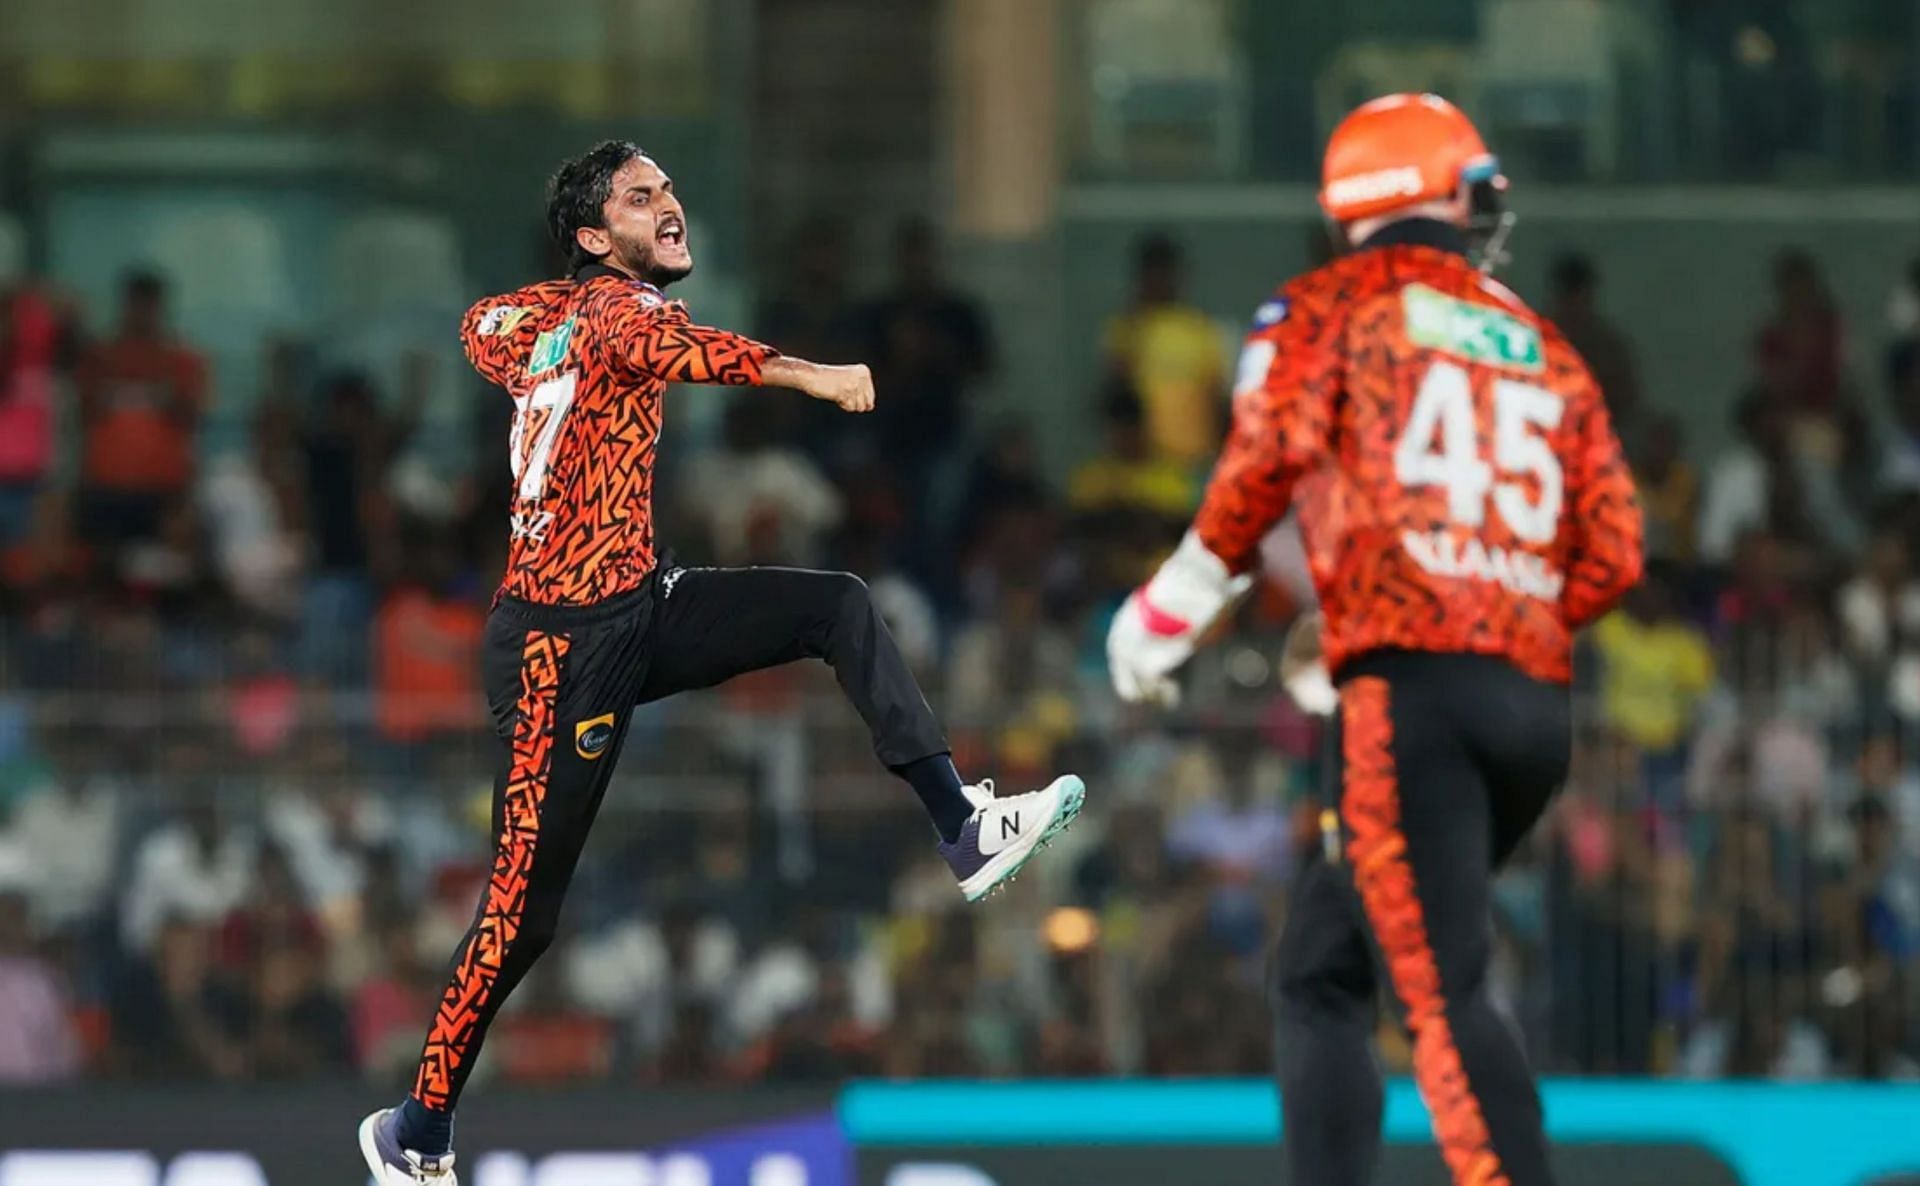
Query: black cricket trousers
(1441, 765)
(561, 685)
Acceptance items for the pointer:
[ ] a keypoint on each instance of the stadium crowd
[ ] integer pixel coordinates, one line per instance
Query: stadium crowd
(242, 797)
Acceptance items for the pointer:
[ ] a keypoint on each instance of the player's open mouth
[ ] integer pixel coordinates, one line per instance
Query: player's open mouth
(672, 233)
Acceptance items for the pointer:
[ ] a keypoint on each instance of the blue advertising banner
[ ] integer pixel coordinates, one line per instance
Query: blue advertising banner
(1770, 1134)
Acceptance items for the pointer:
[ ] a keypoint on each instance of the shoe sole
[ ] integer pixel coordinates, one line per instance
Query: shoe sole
(370, 1149)
(1073, 795)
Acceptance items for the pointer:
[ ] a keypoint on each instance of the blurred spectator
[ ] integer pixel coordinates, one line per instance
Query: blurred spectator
(1004, 482)
(171, 570)
(1575, 308)
(1126, 477)
(171, 1018)
(550, 1039)
(1669, 491)
(649, 975)
(1770, 480)
(427, 650)
(345, 450)
(1171, 356)
(37, 343)
(1006, 656)
(1752, 614)
(690, 1056)
(760, 500)
(142, 394)
(810, 315)
(295, 1027)
(69, 832)
(46, 572)
(1879, 938)
(1879, 612)
(1903, 304)
(37, 1039)
(335, 832)
(1885, 772)
(822, 1041)
(1238, 829)
(263, 699)
(388, 1006)
(1655, 668)
(910, 614)
(1602, 898)
(1900, 459)
(1754, 962)
(274, 914)
(929, 345)
(1800, 348)
(245, 494)
(1129, 503)
(195, 868)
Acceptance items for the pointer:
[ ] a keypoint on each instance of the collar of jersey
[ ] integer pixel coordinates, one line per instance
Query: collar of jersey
(595, 271)
(1419, 232)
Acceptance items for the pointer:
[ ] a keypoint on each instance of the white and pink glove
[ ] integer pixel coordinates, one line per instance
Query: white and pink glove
(1160, 625)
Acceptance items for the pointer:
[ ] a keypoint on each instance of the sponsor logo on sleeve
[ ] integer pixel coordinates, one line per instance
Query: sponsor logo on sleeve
(501, 320)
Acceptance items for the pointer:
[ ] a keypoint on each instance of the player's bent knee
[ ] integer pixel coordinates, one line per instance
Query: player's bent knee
(850, 593)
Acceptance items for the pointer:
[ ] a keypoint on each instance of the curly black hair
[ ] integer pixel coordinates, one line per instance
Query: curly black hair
(578, 194)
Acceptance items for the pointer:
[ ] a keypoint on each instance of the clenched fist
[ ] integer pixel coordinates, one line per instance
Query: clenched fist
(848, 387)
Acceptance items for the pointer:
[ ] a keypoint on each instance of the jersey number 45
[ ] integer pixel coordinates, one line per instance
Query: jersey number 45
(1441, 446)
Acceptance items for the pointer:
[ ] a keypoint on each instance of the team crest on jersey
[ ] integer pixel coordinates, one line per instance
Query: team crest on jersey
(550, 347)
(501, 320)
(1471, 331)
(1272, 313)
(650, 297)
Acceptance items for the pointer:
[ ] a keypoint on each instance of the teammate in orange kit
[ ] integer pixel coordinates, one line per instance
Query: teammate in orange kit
(1465, 509)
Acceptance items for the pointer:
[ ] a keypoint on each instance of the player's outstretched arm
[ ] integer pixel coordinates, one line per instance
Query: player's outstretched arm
(850, 388)
(658, 339)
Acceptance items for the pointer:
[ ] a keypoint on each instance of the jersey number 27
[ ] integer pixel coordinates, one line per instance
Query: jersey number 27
(1441, 446)
(537, 418)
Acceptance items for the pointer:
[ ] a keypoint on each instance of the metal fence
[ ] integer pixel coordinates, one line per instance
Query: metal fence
(1744, 901)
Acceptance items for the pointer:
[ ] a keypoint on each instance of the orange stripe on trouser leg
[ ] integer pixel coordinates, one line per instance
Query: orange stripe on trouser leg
(456, 1022)
(1377, 851)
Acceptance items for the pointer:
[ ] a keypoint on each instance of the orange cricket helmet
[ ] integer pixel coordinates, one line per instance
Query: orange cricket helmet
(1399, 151)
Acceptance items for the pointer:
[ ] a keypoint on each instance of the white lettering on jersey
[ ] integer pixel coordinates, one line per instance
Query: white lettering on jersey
(1443, 554)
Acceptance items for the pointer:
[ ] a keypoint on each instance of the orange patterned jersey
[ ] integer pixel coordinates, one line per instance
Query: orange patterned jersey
(587, 362)
(1458, 482)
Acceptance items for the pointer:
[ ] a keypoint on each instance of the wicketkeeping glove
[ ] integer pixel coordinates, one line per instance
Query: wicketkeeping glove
(1160, 625)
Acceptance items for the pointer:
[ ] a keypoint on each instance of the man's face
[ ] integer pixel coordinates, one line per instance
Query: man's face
(646, 232)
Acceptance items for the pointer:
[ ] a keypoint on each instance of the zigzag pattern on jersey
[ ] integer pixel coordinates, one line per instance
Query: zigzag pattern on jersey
(1320, 433)
(589, 534)
(453, 1041)
(1377, 850)
(695, 353)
